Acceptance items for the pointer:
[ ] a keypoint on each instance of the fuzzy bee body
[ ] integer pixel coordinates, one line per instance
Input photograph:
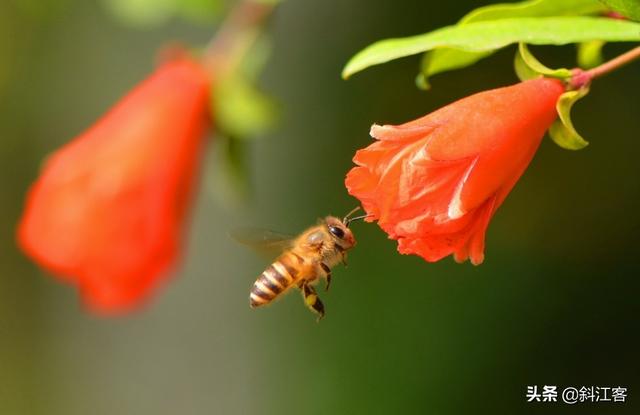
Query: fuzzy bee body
(308, 258)
(277, 278)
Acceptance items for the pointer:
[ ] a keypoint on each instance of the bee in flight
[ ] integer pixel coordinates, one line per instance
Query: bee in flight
(306, 259)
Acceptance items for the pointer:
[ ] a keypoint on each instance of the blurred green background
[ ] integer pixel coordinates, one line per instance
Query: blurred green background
(556, 301)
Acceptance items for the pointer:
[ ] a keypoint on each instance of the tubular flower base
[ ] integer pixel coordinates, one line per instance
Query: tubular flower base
(108, 209)
(434, 183)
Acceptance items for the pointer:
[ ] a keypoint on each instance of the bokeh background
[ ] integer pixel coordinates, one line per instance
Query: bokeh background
(556, 301)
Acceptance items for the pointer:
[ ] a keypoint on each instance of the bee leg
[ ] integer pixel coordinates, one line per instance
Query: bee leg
(327, 272)
(344, 259)
(312, 301)
(326, 287)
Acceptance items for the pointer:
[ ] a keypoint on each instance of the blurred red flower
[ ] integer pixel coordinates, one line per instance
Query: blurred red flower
(108, 209)
(434, 183)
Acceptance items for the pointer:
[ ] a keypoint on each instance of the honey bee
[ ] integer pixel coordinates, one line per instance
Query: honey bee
(305, 260)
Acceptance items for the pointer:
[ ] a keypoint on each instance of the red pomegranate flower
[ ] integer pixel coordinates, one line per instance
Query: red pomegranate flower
(434, 183)
(108, 209)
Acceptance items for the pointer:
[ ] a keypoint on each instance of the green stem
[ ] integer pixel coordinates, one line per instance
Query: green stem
(614, 63)
(236, 35)
(581, 78)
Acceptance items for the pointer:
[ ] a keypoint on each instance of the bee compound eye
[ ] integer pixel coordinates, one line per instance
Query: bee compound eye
(337, 232)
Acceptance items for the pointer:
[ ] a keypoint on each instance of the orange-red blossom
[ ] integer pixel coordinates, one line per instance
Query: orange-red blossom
(434, 183)
(108, 210)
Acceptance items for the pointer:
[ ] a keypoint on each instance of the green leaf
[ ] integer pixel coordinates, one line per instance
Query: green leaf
(422, 82)
(562, 131)
(253, 63)
(627, 8)
(150, 13)
(141, 13)
(523, 71)
(241, 110)
(534, 64)
(534, 8)
(590, 54)
(445, 59)
(227, 171)
(200, 11)
(490, 35)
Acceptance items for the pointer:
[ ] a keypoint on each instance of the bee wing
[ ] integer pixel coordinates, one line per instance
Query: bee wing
(266, 242)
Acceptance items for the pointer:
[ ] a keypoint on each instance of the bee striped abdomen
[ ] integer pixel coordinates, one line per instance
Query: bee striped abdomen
(273, 281)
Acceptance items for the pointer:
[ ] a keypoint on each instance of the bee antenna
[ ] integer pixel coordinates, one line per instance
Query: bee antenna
(346, 217)
(349, 220)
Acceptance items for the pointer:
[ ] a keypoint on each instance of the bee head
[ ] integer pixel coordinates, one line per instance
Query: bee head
(340, 232)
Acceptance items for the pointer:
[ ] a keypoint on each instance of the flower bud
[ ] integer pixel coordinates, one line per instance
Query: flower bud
(434, 183)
